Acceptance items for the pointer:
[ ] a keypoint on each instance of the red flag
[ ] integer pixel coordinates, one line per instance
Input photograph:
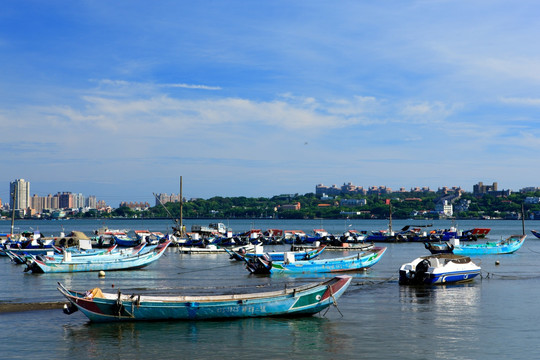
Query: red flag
(387, 201)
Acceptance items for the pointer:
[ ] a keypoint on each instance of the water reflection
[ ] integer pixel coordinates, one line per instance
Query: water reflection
(268, 337)
(440, 311)
(443, 296)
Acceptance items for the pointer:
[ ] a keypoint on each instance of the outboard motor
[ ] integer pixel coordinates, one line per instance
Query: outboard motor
(70, 309)
(421, 269)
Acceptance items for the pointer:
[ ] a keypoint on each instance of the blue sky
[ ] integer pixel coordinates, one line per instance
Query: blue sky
(119, 99)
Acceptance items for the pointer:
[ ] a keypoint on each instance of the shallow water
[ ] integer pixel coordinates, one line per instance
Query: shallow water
(493, 317)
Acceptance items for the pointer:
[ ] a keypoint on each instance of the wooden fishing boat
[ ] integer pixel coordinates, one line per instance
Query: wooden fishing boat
(507, 246)
(98, 262)
(439, 248)
(124, 240)
(438, 269)
(341, 247)
(308, 254)
(16, 258)
(151, 237)
(27, 246)
(360, 261)
(303, 300)
(211, 249)
(74, 255)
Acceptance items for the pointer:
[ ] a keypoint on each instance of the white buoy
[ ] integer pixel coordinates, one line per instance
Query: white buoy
(102, 273)
(497, 262)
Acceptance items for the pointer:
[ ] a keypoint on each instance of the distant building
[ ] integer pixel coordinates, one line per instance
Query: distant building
(462, 205)
(135, 205)
(37, 204)
(346, 188)
(444, 207)
(379, 190)
(165, 198)
(353, 202)
(78, 201)
(480, 189)
(295, 206)
(21, 189)
(529, 189)
(65, 200)
(91, 202)
(324, 205)
(424, 189)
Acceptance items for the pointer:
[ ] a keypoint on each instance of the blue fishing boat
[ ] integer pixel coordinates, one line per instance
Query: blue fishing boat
(16, 258)
(507, 246)
(536, 233)
(308, 254)
(303, 300)
(439, 248)
(122, 239)
(438, 269)
(360, 261)
(27, 244)
(103, 262)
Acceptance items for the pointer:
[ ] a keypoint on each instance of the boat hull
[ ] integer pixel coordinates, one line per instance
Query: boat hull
(279, 256)
(349, 263)
(301, 301)
(438, 269)
(452, 277)
(441, 278)
(94, 264)
(508, 246)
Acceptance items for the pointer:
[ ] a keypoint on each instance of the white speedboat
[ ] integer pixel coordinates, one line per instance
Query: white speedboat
(439, 269)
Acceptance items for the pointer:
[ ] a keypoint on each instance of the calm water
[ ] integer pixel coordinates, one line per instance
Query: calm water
(495, 317)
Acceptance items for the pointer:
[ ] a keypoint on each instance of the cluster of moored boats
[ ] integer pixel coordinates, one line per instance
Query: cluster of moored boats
(449, 262)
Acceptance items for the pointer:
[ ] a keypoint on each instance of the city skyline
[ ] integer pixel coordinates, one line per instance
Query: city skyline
(265, 98)
(320, 189)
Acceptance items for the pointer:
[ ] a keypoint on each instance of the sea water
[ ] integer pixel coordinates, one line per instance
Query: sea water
(494, 317)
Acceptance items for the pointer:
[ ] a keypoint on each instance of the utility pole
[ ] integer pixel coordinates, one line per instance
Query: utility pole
(181, 209)
(390, 220)
(13, 196)
(523, 218)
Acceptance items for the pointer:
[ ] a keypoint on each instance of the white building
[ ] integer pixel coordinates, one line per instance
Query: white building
(78, 200)
(445, 208)
(91, 202)
(21, 189)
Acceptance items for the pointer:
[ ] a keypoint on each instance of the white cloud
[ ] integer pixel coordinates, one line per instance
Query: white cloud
(521, 101)
(191, 86)
(427, 112)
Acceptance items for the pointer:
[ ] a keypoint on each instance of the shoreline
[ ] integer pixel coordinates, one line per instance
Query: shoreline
(20, 307)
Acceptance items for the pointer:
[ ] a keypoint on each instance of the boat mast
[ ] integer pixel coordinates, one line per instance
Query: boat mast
(390, 222)
(522, 218)
(181, 208)
(13, 196)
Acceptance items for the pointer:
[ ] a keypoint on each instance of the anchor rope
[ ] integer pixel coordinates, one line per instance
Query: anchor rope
(334, 301)
(490, 275)
(198, 270)
(371, 282)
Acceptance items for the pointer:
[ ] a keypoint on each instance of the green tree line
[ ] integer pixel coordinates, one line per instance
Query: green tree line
(312, 207)
(404, 206)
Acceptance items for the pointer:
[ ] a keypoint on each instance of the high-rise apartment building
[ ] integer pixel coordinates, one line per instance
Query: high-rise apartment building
(65, 200)
(91, 202)
(78, 200)
(21, 189)
(165, 198)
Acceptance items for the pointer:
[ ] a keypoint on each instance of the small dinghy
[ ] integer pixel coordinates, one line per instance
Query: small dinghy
(438, 269)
